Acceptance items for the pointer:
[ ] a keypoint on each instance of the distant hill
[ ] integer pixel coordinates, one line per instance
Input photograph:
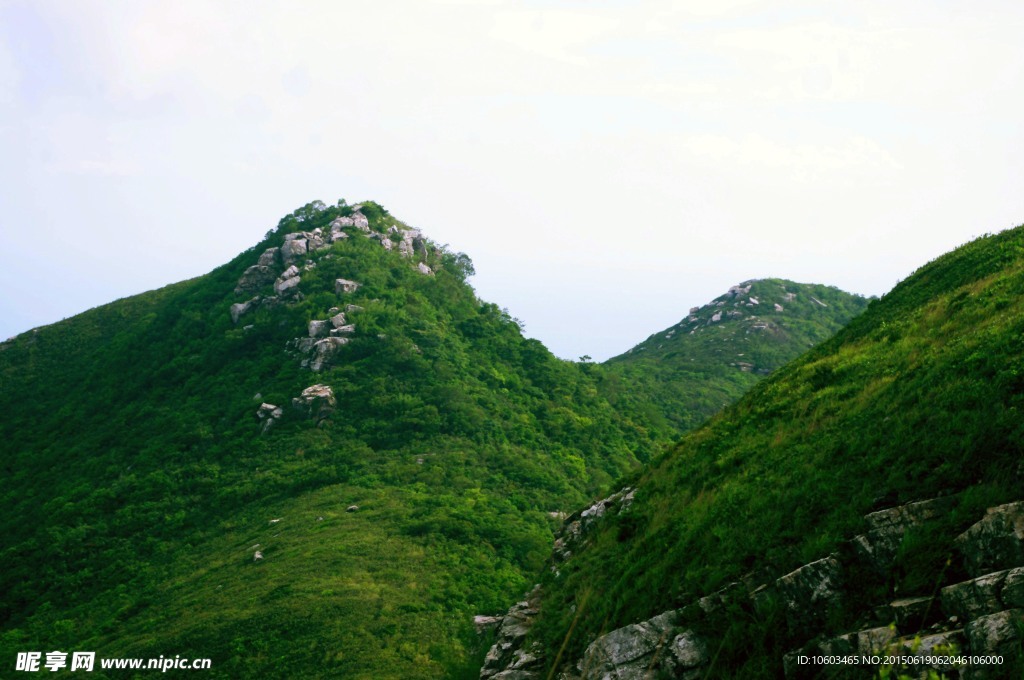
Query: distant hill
(863, 499)
(689, 371)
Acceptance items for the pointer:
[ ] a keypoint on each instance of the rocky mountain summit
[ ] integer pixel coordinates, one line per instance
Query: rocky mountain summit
(280, 266)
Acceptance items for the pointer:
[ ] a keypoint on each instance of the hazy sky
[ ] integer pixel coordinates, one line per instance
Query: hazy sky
(606, 164)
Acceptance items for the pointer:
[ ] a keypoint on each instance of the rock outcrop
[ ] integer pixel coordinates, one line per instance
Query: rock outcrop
(268, 414)
(981, 616)
(316, 401)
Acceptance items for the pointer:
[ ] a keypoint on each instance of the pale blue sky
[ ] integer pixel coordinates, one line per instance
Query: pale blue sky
(606, 165)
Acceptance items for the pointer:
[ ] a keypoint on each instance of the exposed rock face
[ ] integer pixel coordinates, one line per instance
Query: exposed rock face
(268, 414)
(808, 594)
(269, 258)
(287, 287)
(651, 648)
(991, 605)
(887, 527)
(342, 286)
(507, 654)
(316, 401)
(254, 278)
(293, 249)
(424, 269)
(995, 542)
(240, 308)
(319, 329)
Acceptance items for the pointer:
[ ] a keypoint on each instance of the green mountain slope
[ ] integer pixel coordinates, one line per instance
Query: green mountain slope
(319, 460)
(689, 371)
(919, 397)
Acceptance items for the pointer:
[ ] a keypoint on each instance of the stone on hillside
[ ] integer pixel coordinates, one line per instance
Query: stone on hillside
(345, 286)
(998, 634)
(340, 222)
(360, 222)
(338, 236)
(268, 414)
(754, 301)
(789, 297)
(319, 329)
(291, 250)
(716, 317)
(405, 247)
(254, 278)
(323, 351)
(352, 508)
(996, 541)
(387, 243)
(269, 257)
(348, 329)
(482, 623)
(287, 287)
(240, 308)
(352, 309)
(887, 527)
(694, 310)
(509, 640)
(316, 401)
(912, 614)
(290, 272)
(641, 650)
(778, 307)
(257, 556)
(1012, 594)
(807, 594)
(424, 269)
(338, 320)
(974, 598)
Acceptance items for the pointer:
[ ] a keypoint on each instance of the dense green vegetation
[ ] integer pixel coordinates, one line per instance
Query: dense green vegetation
(919, 396)
(687, 372)
(138, 487)
(136, 483)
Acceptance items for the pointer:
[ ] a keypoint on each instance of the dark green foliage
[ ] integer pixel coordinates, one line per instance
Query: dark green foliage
(919, 396)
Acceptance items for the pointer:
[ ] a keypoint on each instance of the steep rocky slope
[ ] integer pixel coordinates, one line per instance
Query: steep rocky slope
(863, 499)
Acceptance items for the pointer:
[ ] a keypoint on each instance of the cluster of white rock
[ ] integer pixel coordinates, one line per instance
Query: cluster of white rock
(316, 401)
(325, 336)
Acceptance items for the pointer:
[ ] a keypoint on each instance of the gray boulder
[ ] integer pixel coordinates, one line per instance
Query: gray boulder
(254, 278)
(268, 414)
(269, 258)
(316, 401)
(338, 320)
(293, 249)
(323, 352)
(994, 542)
(345, 286)
(424, 269)
(287, 287)
(240, 308)
(319, 329)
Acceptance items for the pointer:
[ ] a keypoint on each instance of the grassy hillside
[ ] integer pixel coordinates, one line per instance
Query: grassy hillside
(919, 396)
(685, 373)
(138, 484)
